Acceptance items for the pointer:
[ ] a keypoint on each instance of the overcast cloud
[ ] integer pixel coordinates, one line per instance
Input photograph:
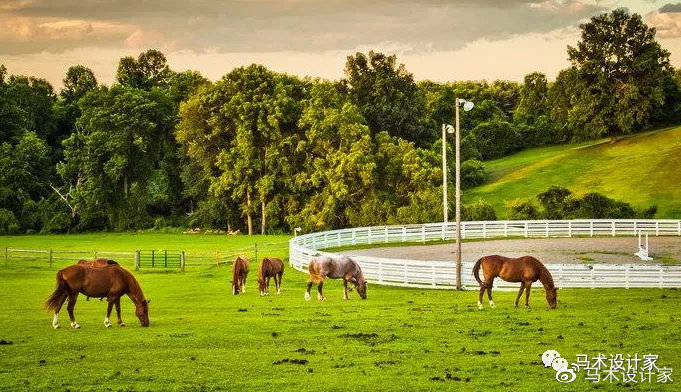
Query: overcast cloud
(290, 33)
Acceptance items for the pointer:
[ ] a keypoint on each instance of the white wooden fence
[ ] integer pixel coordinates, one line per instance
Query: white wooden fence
(442, 274)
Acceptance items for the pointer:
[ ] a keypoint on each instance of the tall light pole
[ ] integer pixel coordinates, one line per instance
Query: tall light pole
(467, 105)
(446, 128)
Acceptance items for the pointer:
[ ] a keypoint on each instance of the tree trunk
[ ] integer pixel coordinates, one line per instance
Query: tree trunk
(264, 217)
(249, 219)
(125, 185)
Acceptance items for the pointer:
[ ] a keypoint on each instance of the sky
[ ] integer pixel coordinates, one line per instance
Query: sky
(436, 39)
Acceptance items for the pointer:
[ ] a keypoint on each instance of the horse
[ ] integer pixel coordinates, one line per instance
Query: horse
(97, 278)
(239, 274)
(268, 268)
(526, 270)
(335, 268)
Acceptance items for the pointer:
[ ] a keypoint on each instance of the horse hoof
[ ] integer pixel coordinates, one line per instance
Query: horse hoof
(107, 324)
(307, 296)
(480, 307)
(322, 298)
(121, 325)
(75, 325)
(55, 326)
(278, 292)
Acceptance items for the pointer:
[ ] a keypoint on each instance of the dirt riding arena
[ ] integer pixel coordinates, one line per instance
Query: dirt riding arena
(614, 250)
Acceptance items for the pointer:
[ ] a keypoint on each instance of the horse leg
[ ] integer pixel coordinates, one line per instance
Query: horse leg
(345, 290)
(307, 292)
(118, 312)
(320, 294)
(528, 287)
(489, 292)
(522, 287)
(267, 286)
(55, 319)
(277, 282)
(243, 285)
(109, 307)
(72, 304)
(482, 292)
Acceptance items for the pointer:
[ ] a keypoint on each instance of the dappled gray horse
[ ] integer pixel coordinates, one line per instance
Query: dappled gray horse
(335, 268)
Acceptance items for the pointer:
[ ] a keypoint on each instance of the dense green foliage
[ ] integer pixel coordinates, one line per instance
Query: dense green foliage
(260, 151)
(201, 337)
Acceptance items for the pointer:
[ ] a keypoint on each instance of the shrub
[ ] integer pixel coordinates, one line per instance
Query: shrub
(496, 139)
(522, 210)
(59, 223)
(554, 201)
(478, 211)
(8, 222)
(473, 173)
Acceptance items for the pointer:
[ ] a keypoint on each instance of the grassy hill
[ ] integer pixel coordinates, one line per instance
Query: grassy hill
(643, 169)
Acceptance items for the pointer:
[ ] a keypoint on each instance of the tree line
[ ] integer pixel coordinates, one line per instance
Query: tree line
(262, 151)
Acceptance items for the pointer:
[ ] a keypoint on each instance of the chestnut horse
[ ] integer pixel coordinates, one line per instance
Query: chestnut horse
(525, 270)
(239, 274)
(335, 268)
(97, 278)
(270, 267)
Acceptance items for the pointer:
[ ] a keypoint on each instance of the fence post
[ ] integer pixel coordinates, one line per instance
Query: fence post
(570, 229)
(613, 228)
(591, 228)
(525, 229)
(165, 258)
(182, 260)
(137, 260)
(50, 257)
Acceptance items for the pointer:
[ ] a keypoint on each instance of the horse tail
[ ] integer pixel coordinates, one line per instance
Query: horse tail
(59, 295)
(476, 271)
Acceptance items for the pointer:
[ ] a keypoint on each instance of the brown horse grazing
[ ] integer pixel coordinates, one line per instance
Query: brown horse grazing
(335, 268)
(526, 270)
(239, 274)
(98, 279)
(270, 267)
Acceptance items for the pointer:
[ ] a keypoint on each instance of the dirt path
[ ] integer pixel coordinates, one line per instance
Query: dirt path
(617, 250)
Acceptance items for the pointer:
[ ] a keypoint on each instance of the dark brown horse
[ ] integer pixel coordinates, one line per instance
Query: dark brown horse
(335, 268)
(525, 270)
(100, 278)
(239, 274)
(270, 267)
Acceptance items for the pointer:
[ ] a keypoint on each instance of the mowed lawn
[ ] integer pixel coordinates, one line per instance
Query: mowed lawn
(643, 169)
(203, 338)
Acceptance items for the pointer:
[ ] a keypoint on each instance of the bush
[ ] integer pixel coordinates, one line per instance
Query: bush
(496, 139)
(554, 201)
(59, 223)
(478, 211)
(522, 210)
(8, 222)
(473, 173)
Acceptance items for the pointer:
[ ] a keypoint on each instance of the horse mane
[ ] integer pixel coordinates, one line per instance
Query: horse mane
(545, 276)
(134, 289)
(260, 267)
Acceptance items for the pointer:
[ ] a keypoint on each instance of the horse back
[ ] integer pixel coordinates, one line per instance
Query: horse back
(240, 266)
(95, 281)
(271, 266)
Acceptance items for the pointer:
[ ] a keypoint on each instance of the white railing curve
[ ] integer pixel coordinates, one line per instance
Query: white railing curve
(442, 274)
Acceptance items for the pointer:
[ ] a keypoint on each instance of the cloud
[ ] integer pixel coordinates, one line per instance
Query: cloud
(670, 8)
(278, 25)
(666, 20)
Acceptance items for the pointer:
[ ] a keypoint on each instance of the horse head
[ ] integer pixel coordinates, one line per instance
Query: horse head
(142, 312)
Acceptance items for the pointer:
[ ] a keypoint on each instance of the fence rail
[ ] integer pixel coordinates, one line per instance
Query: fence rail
(442, 274)
(147, 258)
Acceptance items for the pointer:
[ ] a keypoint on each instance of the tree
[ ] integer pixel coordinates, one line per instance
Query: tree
(495, 139)
(553, 201)
(109, 162)
(79, 80)
(387, 96)
(620, 69)
(149, 70)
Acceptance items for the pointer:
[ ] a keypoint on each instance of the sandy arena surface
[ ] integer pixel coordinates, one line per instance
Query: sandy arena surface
(615, 250)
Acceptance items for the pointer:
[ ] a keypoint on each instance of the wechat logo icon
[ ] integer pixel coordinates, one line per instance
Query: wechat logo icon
(552, 359)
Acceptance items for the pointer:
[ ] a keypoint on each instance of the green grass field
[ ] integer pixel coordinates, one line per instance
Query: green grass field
(203, 338)
(643, 169)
